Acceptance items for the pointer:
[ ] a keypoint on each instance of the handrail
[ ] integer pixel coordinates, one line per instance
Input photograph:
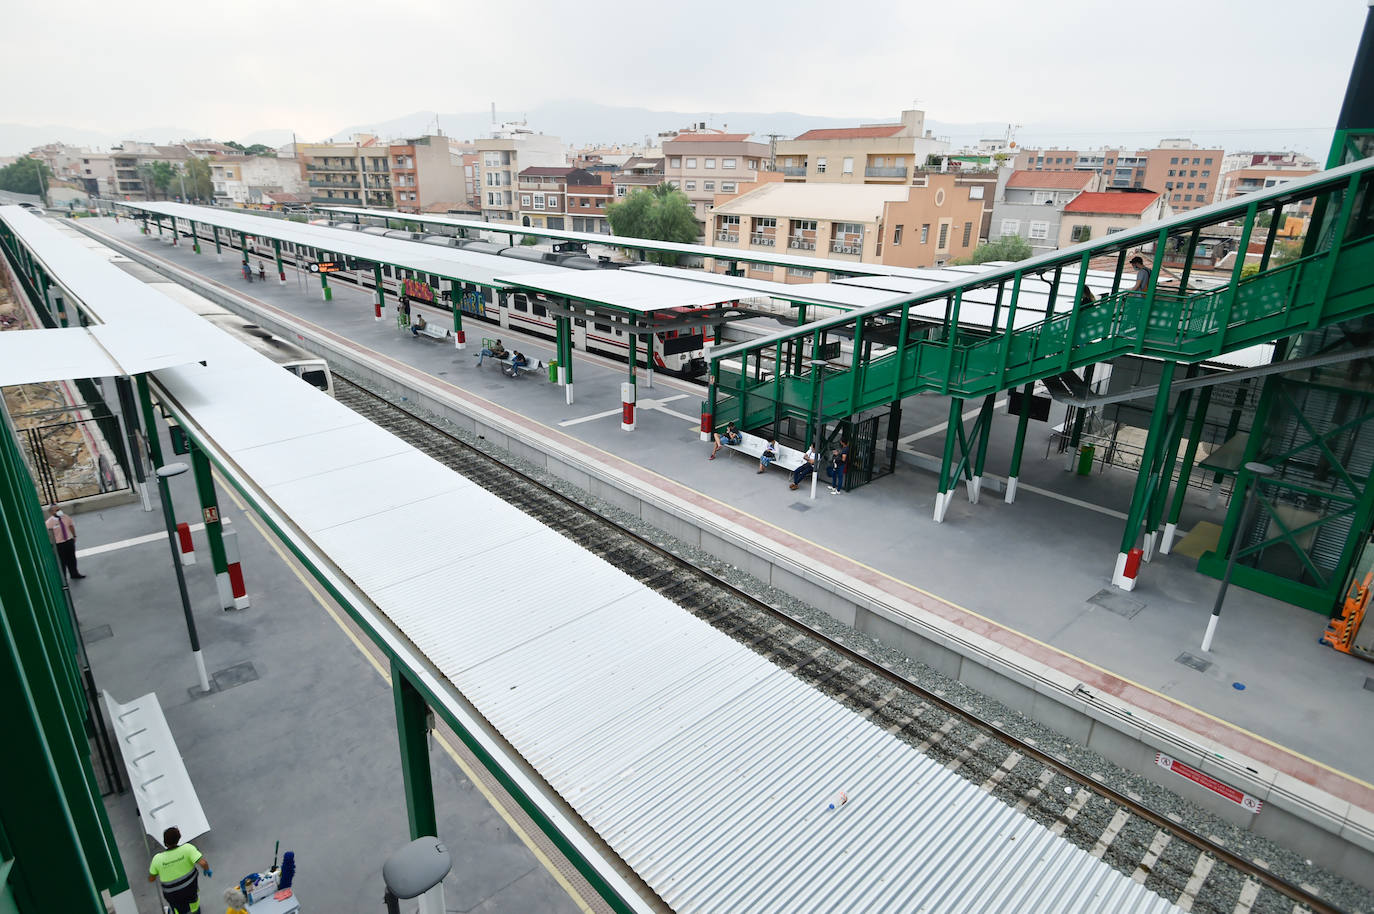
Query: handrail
(1215, 212)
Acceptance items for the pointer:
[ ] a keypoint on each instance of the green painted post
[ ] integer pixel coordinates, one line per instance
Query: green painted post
(150, 426)
(1010, 331)
(1136, 513)
(379, 291)
(1337, 239)
(325, 292)
(856, 364)
(1154, 515)
(1188, 260)
(900, 353)
(777, 383)
(1186, 472)
(60, 303)
(953, 429)
(1075, 310)
(952, 332)
(710, 426)
(195, 238)
(985, 432)
(634, 358)
(276, 254)
(214, 531)
(1148, 305)
(1251, 212)
(158, 219)
(1080, 416)
(1019, 446)
(219, 253)
(455, 294)
(567, 354)
(801, 312)
(412, 726)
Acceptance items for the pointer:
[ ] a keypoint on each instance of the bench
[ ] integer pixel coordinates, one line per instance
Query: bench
(431, 331)
(538, 365)
(752, 445)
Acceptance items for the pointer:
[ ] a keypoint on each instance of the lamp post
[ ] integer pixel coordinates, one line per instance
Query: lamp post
(817, 365)
(1260, 471)
(163, 473)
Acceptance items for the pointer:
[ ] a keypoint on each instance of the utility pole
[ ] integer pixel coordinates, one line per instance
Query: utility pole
(773, 149)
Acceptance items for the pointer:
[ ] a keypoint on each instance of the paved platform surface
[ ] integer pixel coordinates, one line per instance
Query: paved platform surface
(299, 743)
(1033, 576)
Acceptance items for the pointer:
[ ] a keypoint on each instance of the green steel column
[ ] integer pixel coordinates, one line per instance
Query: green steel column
(150, 426)
(175, 239)
(325, 291)
(1154, 514)
(1232, 293)
(1136, 513)
(856, 368)
(195, 238)
(455, 292)
(276, 254)
(801, 313)
(1148, 304)
(985, 432)
(158, 219)
(634, 358)
(1251, 453)
(219, 252)
(214, 531)
(901, 355)
(567, 354)
(1333, 256)
(708, 428)
(1080, 416)
(1021, 421)
(413, 729)
(1189, 457)
(953, 430)
(1009, 333)
(952, 337)
(379, 291)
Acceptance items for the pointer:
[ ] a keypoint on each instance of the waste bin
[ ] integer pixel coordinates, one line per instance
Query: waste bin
(1085, 460)
(553, 371)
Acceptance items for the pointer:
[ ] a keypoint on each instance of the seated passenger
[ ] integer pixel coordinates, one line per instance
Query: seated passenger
(770, 453)
(806, 469)
(517, 362)
(496, 351)
(420, 324)
(731, 435)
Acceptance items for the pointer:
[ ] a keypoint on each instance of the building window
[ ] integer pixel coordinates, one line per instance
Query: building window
(968, 232)
(525, 200)
(708, 185)
(1080, 233)
(848, 167)
(1039, 231)
(925, 233)
(1011, 226)
(1208, 161)
(691, 163)
(538, 201)
(620, 191)
(820, 165)
(553, 201)
(1202, 185)
(896, 235)
(709, 163)
(798, 271)
(763, 222)
(727, 187)
(761, 267)
(944, 236)
(975, 192)
(727, 163)
(675, 162)
(752, 164)
(1174, 160)
(900, 162)
(690, 185)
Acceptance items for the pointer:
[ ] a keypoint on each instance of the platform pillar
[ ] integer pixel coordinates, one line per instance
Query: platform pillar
(174, 231)
(378, 292)
(632, 373)
(1081, 415)
(1189, 457)
(195, 238)
(1014, 473)
(276, 253)
(219, 253)
(325, 292)
(61, 305)
(1159, 502)
(952, 429)
(412, 726)
(1140, 495)
(985, 432)
(209, 510)
(150, 429)
(455, 293)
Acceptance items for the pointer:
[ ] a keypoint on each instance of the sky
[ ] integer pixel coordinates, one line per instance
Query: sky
(1141, 71)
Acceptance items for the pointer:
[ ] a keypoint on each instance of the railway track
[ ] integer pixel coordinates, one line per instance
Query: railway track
(1193, 870)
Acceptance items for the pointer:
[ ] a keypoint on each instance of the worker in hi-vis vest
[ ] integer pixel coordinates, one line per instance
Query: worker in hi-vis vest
(175, 869)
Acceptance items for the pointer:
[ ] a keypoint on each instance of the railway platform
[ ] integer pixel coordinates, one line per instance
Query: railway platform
(291, 745)
(1012, 599)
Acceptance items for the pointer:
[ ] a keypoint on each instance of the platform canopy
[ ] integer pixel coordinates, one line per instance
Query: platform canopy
(628, 290)
(810, 293)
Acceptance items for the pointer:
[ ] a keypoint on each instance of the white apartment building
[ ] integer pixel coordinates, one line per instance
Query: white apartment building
(704, 163)
(501, 157)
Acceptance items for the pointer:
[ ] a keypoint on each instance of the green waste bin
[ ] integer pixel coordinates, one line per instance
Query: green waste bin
(1085, 460)
(553, 371)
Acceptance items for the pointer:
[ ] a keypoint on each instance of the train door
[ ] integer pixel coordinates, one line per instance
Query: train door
(579, 333)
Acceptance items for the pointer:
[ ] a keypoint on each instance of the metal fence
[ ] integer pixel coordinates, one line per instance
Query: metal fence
(75, 458)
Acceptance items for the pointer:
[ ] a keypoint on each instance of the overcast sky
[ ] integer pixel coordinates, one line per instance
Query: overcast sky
(1144, 70)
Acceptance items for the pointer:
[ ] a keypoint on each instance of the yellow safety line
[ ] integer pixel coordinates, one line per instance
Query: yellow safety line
(382, 671)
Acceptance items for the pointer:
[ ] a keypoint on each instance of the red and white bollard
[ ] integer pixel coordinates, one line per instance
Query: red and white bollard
(237, 592)
(1127, 569)
(706, 426)
(460, 339)
(627, 406)
(188, 548)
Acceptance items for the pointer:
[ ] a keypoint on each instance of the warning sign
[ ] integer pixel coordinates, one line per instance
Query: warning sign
(1239, 797)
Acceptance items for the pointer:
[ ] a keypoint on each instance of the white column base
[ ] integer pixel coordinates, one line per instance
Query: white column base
(432, 902)
(705, 436)
(242, 602)
(1069, 459)
(124, 902)
(563, 376)
(281, 278)
(1167, 543)
(188, 558)
(323, 296)
(975, 489)
(569, 389)
(1119, 578)
(145, 491)
(1211, 630)
(225, 590)
(627, 398)
(1213, 495)
(942, 500)
(200, 671)
(1148, 546)
(459, 344)
(1010, 495)
(220, 258)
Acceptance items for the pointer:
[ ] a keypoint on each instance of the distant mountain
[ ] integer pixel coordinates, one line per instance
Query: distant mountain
(273, 138)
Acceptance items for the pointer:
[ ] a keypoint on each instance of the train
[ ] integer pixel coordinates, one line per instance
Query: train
(676, 352)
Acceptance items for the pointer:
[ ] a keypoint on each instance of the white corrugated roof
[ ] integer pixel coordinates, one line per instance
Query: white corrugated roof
(822, 293)
(704, 766)
(628, 290)
(833, 202)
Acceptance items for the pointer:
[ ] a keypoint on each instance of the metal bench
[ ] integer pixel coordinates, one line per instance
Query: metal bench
(752, 445)
(431, 331)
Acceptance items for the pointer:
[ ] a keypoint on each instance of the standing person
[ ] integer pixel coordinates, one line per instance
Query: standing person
(770, 453)
(1142, 274)
(175, 869)
(731, 435)
(247, 270)
(807, 468)
(262, 272)
(839, 462)
(62, 534)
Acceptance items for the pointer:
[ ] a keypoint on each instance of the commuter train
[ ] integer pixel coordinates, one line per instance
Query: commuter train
(680, 353)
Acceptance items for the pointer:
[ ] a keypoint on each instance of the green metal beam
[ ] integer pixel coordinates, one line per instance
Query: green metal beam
(412, 726)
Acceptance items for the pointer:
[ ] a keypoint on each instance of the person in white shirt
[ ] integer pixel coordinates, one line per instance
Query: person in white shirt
(806, 469)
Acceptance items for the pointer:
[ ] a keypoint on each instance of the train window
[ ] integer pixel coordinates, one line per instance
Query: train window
(579, 322)
(520, 303)
(434, 280)
(604, 328)
(387, 270)
(540, 311)
(316, 377)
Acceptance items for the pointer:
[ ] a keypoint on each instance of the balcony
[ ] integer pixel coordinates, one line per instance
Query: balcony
(331, 182)
(802, 244)
(316, 198)
(316, 166)
(885, 171)
(847, 247)
(730, 237)
(794, 171)
(762, 239)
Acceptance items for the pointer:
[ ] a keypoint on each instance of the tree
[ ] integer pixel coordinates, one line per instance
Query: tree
(25, 176)
(661, 214)
(200, 184)
(257, 149)
(1008, 247)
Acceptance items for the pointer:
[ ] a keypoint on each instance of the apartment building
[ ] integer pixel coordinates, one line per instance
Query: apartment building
(940, 220)
(1030, 204)
(867, 154)
(1245, 172)
(356, 173)
(637, 172)
(425, 170)
(127, 160)
(563, 198)
(704, 163)
(1186, 173)
(1095, 214)
(501, 157)
(246, 180)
